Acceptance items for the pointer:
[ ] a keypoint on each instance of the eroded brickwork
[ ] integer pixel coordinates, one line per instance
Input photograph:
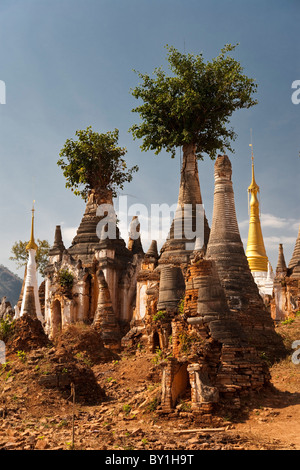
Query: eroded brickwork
(94, 281)
(220, 328)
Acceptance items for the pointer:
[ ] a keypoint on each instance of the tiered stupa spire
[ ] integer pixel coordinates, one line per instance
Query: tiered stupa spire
(255, 252)
(87, 238)
(225, 242)
(105, 319)
(281, 264)
(294, 264)
(58, 245)
(30, 301)
(225, 249)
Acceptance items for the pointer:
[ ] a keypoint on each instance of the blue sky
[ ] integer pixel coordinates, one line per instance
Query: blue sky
(68, 64)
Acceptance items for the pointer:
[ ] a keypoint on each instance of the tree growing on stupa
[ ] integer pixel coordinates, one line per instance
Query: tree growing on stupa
(95, 162)
(192, 107)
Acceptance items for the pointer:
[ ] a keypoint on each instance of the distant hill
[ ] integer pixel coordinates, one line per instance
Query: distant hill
(10, 285)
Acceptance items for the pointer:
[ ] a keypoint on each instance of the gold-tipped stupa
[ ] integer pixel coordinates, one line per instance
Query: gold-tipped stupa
(255, 252)
(32, 245)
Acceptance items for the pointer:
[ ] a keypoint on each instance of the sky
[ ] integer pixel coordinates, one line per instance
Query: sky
(69, 64)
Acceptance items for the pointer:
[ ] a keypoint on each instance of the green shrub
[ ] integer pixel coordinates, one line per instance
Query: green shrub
(126, 409)
(153, 404)
(21, 355)
(187, 340)
(160, 315)
(6, 329)
(65, 278)
(181, 307)
(158, 356)
(288, 321)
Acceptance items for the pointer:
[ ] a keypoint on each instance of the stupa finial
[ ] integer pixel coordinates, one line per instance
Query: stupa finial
(32, 245)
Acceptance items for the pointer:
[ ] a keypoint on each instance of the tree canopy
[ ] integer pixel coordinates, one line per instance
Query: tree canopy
(20, 254)
(94, 161)
(193, 105)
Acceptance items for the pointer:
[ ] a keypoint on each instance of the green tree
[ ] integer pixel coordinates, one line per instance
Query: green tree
(192, 107)
(94, 162)
(20, 254)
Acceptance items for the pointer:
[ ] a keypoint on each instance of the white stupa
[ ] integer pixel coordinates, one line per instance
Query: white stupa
(31, 302)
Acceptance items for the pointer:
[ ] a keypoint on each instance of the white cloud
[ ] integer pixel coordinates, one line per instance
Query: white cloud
(273, 241)
(68, 233)
(243, 224)
(296, 226)
(275, 230)
(270, 220)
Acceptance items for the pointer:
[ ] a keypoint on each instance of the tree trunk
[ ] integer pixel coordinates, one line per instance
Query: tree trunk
(100, 196)
(189, 191)
(182, 235)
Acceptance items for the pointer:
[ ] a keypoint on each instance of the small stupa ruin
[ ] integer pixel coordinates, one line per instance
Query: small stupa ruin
(286, 299)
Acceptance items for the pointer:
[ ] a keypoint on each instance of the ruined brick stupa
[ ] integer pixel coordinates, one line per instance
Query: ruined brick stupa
(94, 280)
(206, 301)
(225, 248)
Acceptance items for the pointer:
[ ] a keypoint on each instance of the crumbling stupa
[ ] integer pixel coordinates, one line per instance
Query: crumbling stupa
(225, 249)
(93, 281)
(202, 307)
(286, 301)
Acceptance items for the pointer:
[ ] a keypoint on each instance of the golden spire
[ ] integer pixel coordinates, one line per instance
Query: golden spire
(253, 186)
(32, 245)
(255, 252)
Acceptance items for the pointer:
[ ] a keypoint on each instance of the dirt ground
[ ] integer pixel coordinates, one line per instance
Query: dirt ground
(113, 404)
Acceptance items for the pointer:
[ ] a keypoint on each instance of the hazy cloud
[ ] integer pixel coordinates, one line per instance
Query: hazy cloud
(68, 233)
(272, 221)
(273, 241)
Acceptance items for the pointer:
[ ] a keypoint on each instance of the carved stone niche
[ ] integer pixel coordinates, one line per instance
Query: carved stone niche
(201, 391)
(178, 377)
